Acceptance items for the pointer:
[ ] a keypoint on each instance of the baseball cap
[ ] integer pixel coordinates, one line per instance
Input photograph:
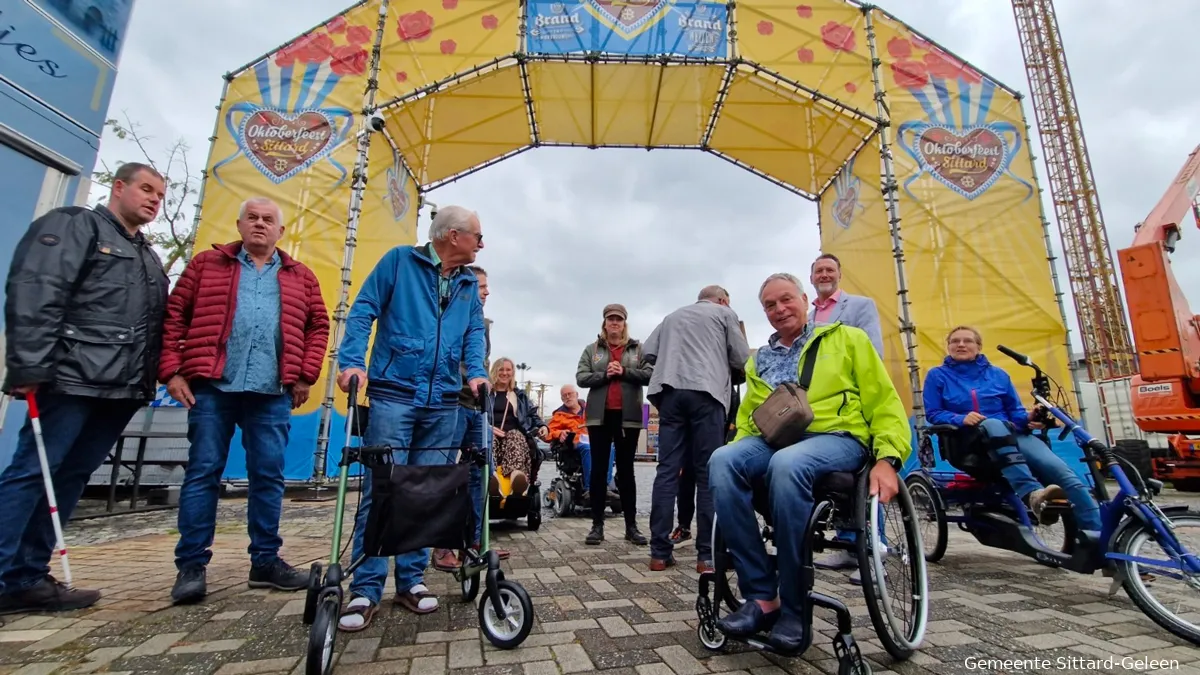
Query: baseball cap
(617, 309)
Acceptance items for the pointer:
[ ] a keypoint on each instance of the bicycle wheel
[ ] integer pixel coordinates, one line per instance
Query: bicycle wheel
(1173, 609)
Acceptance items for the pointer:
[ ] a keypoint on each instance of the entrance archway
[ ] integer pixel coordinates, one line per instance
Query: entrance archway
(919, 162)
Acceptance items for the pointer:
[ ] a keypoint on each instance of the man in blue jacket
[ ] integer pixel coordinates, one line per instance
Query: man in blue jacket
(424, 303)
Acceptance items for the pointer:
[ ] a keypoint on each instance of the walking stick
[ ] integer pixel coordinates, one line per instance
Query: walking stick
(36, 423)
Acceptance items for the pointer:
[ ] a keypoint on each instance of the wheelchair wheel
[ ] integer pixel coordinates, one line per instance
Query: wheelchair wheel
(562, 500)
(322, 635)
(511, 631)
(931, 515)
(892, 565)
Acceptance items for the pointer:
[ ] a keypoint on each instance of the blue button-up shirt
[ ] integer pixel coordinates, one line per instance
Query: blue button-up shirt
(252, 353)
(777, 364)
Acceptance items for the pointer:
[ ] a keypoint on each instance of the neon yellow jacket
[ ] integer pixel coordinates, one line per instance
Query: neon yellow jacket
(850, 392)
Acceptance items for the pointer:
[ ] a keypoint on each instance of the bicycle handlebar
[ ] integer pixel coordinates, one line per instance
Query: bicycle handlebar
(1015, 356)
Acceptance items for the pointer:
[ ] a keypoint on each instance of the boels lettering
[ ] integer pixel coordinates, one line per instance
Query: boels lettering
(27, 52)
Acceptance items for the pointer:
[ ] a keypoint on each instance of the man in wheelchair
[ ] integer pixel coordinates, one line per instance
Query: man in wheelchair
(969, 393)
(858, 418)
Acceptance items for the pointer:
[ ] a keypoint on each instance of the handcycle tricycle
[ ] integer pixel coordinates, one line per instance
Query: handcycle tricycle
(895, 584)
(994, 515)
(415, 507)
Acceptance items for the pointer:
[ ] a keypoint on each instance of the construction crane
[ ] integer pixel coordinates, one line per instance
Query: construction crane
(1166, 391)
(1107, 348)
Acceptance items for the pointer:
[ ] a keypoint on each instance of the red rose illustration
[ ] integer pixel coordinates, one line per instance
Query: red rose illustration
(939, 65)
(449, 4)
(448, 46)
(349, 60)
(851, 87)
(921, 43)
(358, 35)
(971, 75)
(805, 55)
(899, 48)
(838, 36)
(910, 74)
(311, 48)
(415, 26)
(489, 21)
(336, 25)
(285, 57)
(804, 11)
(765, 28)
(402, 76)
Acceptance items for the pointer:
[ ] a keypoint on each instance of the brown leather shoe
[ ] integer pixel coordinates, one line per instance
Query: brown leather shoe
(705, 566)
(503, 554)
(445, 560)
(657, 565)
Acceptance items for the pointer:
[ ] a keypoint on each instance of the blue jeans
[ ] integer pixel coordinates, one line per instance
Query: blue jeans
(585, 458)
(469, 432)
(400, 425)
(790, 474)
(265, 421)
(78, 432)
(1049, 468)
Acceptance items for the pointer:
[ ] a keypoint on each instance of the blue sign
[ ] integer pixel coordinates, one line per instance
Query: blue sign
(691, 28)
(100, 24)
(47, 63)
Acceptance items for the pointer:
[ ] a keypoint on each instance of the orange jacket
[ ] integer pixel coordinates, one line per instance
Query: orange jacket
(565, 420)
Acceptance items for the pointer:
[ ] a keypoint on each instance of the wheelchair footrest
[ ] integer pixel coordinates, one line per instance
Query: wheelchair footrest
(849, 656)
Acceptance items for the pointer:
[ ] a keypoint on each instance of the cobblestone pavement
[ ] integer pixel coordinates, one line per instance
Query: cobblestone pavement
(598, 608)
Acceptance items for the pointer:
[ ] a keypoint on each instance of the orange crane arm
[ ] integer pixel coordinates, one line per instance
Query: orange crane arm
(1166, 396)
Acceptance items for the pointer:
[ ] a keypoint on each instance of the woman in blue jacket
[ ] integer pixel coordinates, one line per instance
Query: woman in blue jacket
(967, 390)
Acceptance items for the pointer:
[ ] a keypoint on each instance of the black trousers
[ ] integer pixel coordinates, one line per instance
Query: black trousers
(691, 425)
(602, 439)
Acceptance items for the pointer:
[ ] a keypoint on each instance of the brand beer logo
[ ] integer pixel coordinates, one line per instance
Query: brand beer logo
(283, 144)
(629, 18)
(969, 162)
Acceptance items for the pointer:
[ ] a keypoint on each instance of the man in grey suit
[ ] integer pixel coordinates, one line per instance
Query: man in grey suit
(831, 305)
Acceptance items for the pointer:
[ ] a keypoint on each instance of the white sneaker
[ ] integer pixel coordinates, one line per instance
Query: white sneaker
(838, 560)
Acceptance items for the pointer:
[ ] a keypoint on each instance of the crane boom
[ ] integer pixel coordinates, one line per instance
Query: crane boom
(1108, 352)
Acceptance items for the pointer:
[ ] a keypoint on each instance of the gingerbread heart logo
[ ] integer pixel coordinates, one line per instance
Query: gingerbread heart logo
(629, 18)
(397, 197)
(967, 161)
(845, 206)
(282, 144)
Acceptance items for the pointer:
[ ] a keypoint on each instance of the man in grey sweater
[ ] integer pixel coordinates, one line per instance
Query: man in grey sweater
(693, 351)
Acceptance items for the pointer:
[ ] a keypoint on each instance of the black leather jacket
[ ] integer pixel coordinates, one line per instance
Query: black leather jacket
(84, 307)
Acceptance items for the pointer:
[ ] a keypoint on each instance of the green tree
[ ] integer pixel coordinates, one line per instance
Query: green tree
(173, 233)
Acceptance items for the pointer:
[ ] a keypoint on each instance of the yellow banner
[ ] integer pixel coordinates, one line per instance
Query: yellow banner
(854, 227)
(974, 245)
(288, 130)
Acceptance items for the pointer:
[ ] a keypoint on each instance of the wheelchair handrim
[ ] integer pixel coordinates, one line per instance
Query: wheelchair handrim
(899, 634)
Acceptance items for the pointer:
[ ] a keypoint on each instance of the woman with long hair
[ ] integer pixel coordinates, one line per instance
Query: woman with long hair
(515, 421)
(614, 371)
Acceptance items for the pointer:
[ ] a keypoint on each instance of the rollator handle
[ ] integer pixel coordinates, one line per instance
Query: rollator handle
(353, 390)
(482, 397)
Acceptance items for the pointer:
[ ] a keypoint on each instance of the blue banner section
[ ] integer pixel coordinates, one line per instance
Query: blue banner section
(100, 24)
(692, 28)
(48, 64)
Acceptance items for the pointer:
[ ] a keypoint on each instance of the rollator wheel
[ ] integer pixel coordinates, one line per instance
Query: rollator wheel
(470, 587)
(510, 632)
(313, 593)
(322, 635)
(862, 667)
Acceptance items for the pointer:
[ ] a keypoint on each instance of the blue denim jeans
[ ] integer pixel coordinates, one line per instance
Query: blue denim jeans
(469, 432)
(585, 458)
(265, 421)
(790, 474)
(79, 432)
(1049, 468)
(401, 426)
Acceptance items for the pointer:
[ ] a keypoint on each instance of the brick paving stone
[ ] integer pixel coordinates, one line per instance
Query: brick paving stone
(255, 667)
(572, 658)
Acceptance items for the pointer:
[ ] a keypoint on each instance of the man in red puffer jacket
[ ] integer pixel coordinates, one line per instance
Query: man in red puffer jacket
(243, 342)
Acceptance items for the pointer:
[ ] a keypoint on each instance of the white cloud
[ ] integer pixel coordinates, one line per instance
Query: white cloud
(568, 231)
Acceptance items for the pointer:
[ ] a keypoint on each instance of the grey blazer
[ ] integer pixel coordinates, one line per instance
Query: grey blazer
(857, 311)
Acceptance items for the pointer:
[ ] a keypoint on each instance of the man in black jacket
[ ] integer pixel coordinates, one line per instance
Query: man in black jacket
(83, 324)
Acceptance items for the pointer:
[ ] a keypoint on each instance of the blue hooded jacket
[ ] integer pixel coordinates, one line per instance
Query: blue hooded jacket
(420, 338)
(949, 388)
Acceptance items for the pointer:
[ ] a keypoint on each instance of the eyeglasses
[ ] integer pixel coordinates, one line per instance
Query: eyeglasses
(478, 235)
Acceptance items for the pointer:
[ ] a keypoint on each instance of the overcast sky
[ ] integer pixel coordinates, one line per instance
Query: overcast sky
(661, 225)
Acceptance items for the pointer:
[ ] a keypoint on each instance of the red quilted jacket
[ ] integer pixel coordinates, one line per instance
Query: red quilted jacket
(200, 315)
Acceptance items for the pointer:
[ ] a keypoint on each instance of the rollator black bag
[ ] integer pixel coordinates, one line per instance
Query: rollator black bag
(416, 507)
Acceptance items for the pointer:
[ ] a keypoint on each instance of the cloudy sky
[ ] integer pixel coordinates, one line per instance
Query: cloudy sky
(661, 225)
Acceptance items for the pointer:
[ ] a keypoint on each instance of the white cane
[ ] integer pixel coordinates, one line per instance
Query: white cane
(36, 423)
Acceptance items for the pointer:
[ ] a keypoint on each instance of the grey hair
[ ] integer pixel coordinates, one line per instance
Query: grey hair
(261, 200)
(713, 292)
(449, 218)
(780, 276)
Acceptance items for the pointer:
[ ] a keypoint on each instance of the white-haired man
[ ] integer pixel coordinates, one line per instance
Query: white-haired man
(693, 350)
(244, 341)
(425, 306)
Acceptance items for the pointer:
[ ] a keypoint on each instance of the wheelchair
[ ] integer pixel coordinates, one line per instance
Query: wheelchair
(566, 492)
(516, 507)
(897, 596)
